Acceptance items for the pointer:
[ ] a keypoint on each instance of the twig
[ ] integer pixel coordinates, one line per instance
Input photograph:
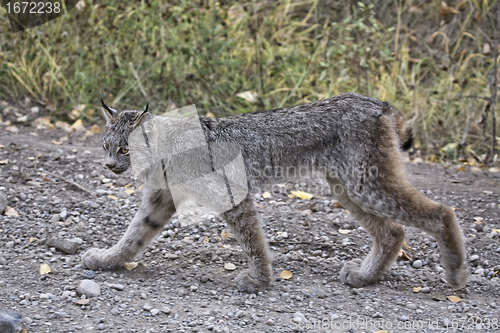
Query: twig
(70, 182)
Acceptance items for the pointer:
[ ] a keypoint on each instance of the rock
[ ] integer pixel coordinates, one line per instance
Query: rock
(10, 322)
(147, 307)
(154, 312)
(116, 286)
(115, 311)
(426, 290)
(166, 310)
(63, 245)
(89, 274)
(417, 264)
(3, 203)
(88, 288)
(270, 322)
(474, 257)
(55, 218)
(63, 214)
(299, 317)
(229, 267)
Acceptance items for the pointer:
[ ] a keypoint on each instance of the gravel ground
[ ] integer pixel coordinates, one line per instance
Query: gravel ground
(180, 283)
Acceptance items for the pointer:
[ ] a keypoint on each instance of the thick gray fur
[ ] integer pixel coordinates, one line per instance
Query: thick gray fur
(355, 141)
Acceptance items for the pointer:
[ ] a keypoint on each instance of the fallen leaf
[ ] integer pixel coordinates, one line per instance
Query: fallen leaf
(460, 168)
(229, 267)
(128, 185)
(32, 239)
(225, 235)
(478, 219)
(12, 129)
(95, 129)
(250, 96)
(286, 275)
(62, 125)
(129, 191)
(403, 254)
(9, 211)
(2, 162)
(130, 265)
(302, 195)
(417, 289)
(496, 230)
(291, 196)
(266, 195)
(210, 115)
(344, 231)
(454, 299)
(77, 124)
(205, 239)
(57, 143)
(112, 197)
(382, 331)
(439, 297)
(77, 111)
(45, 179)
(83, 301)
(337, 205)
(44, 269)
(494, 169)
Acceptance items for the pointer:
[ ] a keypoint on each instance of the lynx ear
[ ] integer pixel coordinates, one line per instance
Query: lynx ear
(109, 113)
(143, 116)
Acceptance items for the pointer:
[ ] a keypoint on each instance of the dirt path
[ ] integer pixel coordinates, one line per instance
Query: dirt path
(180, 284)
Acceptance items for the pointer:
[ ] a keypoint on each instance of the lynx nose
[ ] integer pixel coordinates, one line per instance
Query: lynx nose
(110, 166)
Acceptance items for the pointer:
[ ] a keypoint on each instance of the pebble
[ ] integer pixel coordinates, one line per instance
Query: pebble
(204, 279)
(115, 311)
(299, 317)
(166, 310)
(147, 307)
(474, 257)
(426, 290)
(63, 245)
(3, 203)
(89, 274)
(154, 312)
(270, 321)
(88, 288)
(10, 321)
(116, 286)
(63, 214)
(229, 267)
(417, 264)
(193, 288)
(55, 218)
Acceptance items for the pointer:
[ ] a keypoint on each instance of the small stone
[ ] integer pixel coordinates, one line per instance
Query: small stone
(89, 274)
(116, 286)
(182, 291)
(229, 267)
(403, 318)
(193, 288)
(479, 271)
(154, 312)
(63, 214)
(417, 264)
(55, 218)
(204, 279)
(115, 311)
(299, 317)
(270, 321)
(10, 321)
(147, 307)
(284, 234)
(3, 203)
(426, 290)
(166, 310)
(474, 257)
(63, 245)
(88, 288)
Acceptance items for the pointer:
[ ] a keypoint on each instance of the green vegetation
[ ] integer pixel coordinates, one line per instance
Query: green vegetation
(421, 56)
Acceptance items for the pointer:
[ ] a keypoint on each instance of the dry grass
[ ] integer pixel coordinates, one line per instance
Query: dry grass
(421, 57)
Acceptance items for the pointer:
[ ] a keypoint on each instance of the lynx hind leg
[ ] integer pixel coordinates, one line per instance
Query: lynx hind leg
(387, 240)
(244, 223)
(392, 197)
(154, 212)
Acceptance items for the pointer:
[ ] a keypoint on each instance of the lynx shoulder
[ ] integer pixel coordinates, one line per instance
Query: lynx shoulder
(334, 137)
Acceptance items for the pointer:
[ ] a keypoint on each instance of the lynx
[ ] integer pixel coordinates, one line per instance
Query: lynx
(335, 136)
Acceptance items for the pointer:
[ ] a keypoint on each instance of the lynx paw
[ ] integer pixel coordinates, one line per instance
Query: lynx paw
(97, 258)
(248, 284)
(457, 278)
(350, 274)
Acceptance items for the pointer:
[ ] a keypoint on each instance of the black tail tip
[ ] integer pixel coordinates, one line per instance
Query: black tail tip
(406, 145)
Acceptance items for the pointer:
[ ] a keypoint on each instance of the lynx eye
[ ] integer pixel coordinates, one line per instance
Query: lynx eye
(123, 151)
(106, 146)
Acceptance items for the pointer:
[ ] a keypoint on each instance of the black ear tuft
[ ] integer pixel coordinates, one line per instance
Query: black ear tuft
(147, 107)
(108, 112)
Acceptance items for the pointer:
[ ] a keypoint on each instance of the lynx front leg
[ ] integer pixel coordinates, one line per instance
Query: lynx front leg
(245, 225)
(154, 212)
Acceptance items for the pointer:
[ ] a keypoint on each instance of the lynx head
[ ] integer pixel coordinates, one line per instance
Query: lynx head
(119, 125)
